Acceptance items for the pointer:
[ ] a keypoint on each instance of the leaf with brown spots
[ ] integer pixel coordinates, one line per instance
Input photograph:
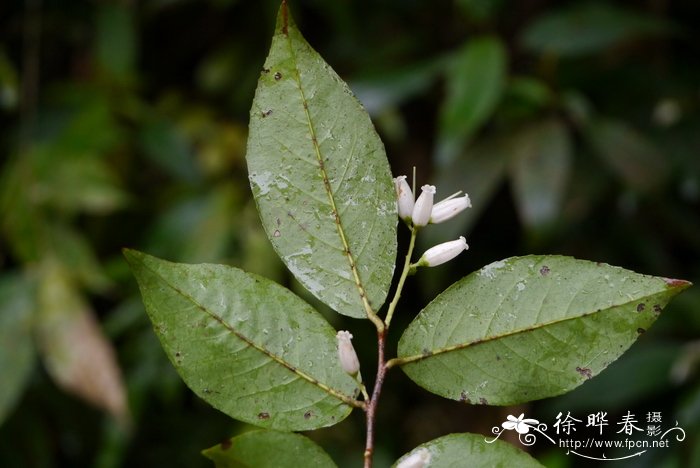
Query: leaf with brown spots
(510, 333)
(320, 178)
(246, 345)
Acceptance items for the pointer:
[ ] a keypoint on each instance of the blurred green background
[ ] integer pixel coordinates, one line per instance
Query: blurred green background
(574, 126)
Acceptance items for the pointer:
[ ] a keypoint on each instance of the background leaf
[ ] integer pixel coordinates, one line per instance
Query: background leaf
(268, 449)
(473, 451)
(17, 356)
(530, 327)
(75, 351)
(540, 171)
(628, 153)
(475, 82)
(320, 177)
(589, 27)
(244, 344)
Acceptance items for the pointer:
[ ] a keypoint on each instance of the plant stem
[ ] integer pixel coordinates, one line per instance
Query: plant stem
(371, 408)
(402, 279)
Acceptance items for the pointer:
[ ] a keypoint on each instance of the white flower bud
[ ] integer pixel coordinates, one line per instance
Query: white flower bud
(449, 208)
(404, 196)
(346, 353)
(418, 459)
(444, 252)
(423, 206)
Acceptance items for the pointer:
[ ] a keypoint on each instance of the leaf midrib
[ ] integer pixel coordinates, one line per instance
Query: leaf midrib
(291, 368)
(326, 182)
(476, 342)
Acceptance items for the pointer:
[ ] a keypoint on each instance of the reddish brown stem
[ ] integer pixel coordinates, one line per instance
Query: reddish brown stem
(371, 408)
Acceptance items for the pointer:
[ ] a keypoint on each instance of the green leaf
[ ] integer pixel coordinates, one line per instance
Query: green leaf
(320, 177)
(471, 450)
(268, 449)
(529, 327)
(589, 28)
(540, 172)
(246, 345)
(475, 83)
(17, 356)
(628, 152)
(525, 98)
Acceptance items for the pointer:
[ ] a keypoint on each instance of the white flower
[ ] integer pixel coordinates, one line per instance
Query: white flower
(346, 353)
(405, 198)
(442, 253)
(418, 459)
(522, 426)
(449, 208)
(423, 206)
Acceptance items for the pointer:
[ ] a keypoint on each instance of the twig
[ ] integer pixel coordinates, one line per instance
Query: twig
(371, 408)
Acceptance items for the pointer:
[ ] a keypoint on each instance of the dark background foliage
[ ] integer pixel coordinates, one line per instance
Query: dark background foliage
(574, 126)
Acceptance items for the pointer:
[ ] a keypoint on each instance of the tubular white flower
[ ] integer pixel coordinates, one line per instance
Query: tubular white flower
(423, 206)
(418, 459)
(404, 196)
(444, 252)
(449, 208)
(346, 353)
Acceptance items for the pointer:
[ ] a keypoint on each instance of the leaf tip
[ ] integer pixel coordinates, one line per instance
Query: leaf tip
(678, 284)
(130, 254)
(283, 18)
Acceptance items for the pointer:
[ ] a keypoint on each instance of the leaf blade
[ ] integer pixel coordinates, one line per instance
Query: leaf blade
(472, 450)
(475, 84)
(268, 449)
(320, 178)
(214, 333)
(539, 328)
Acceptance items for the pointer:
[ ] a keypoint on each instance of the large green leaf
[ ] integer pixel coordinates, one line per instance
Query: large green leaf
(475, 83)
(16, 348)
(540, 172)
(529, 327)
(320, 177)
(473, 451)
(268, 449)
(245, 344)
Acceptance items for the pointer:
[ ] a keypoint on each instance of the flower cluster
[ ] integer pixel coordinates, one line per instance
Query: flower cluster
(423, 211)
